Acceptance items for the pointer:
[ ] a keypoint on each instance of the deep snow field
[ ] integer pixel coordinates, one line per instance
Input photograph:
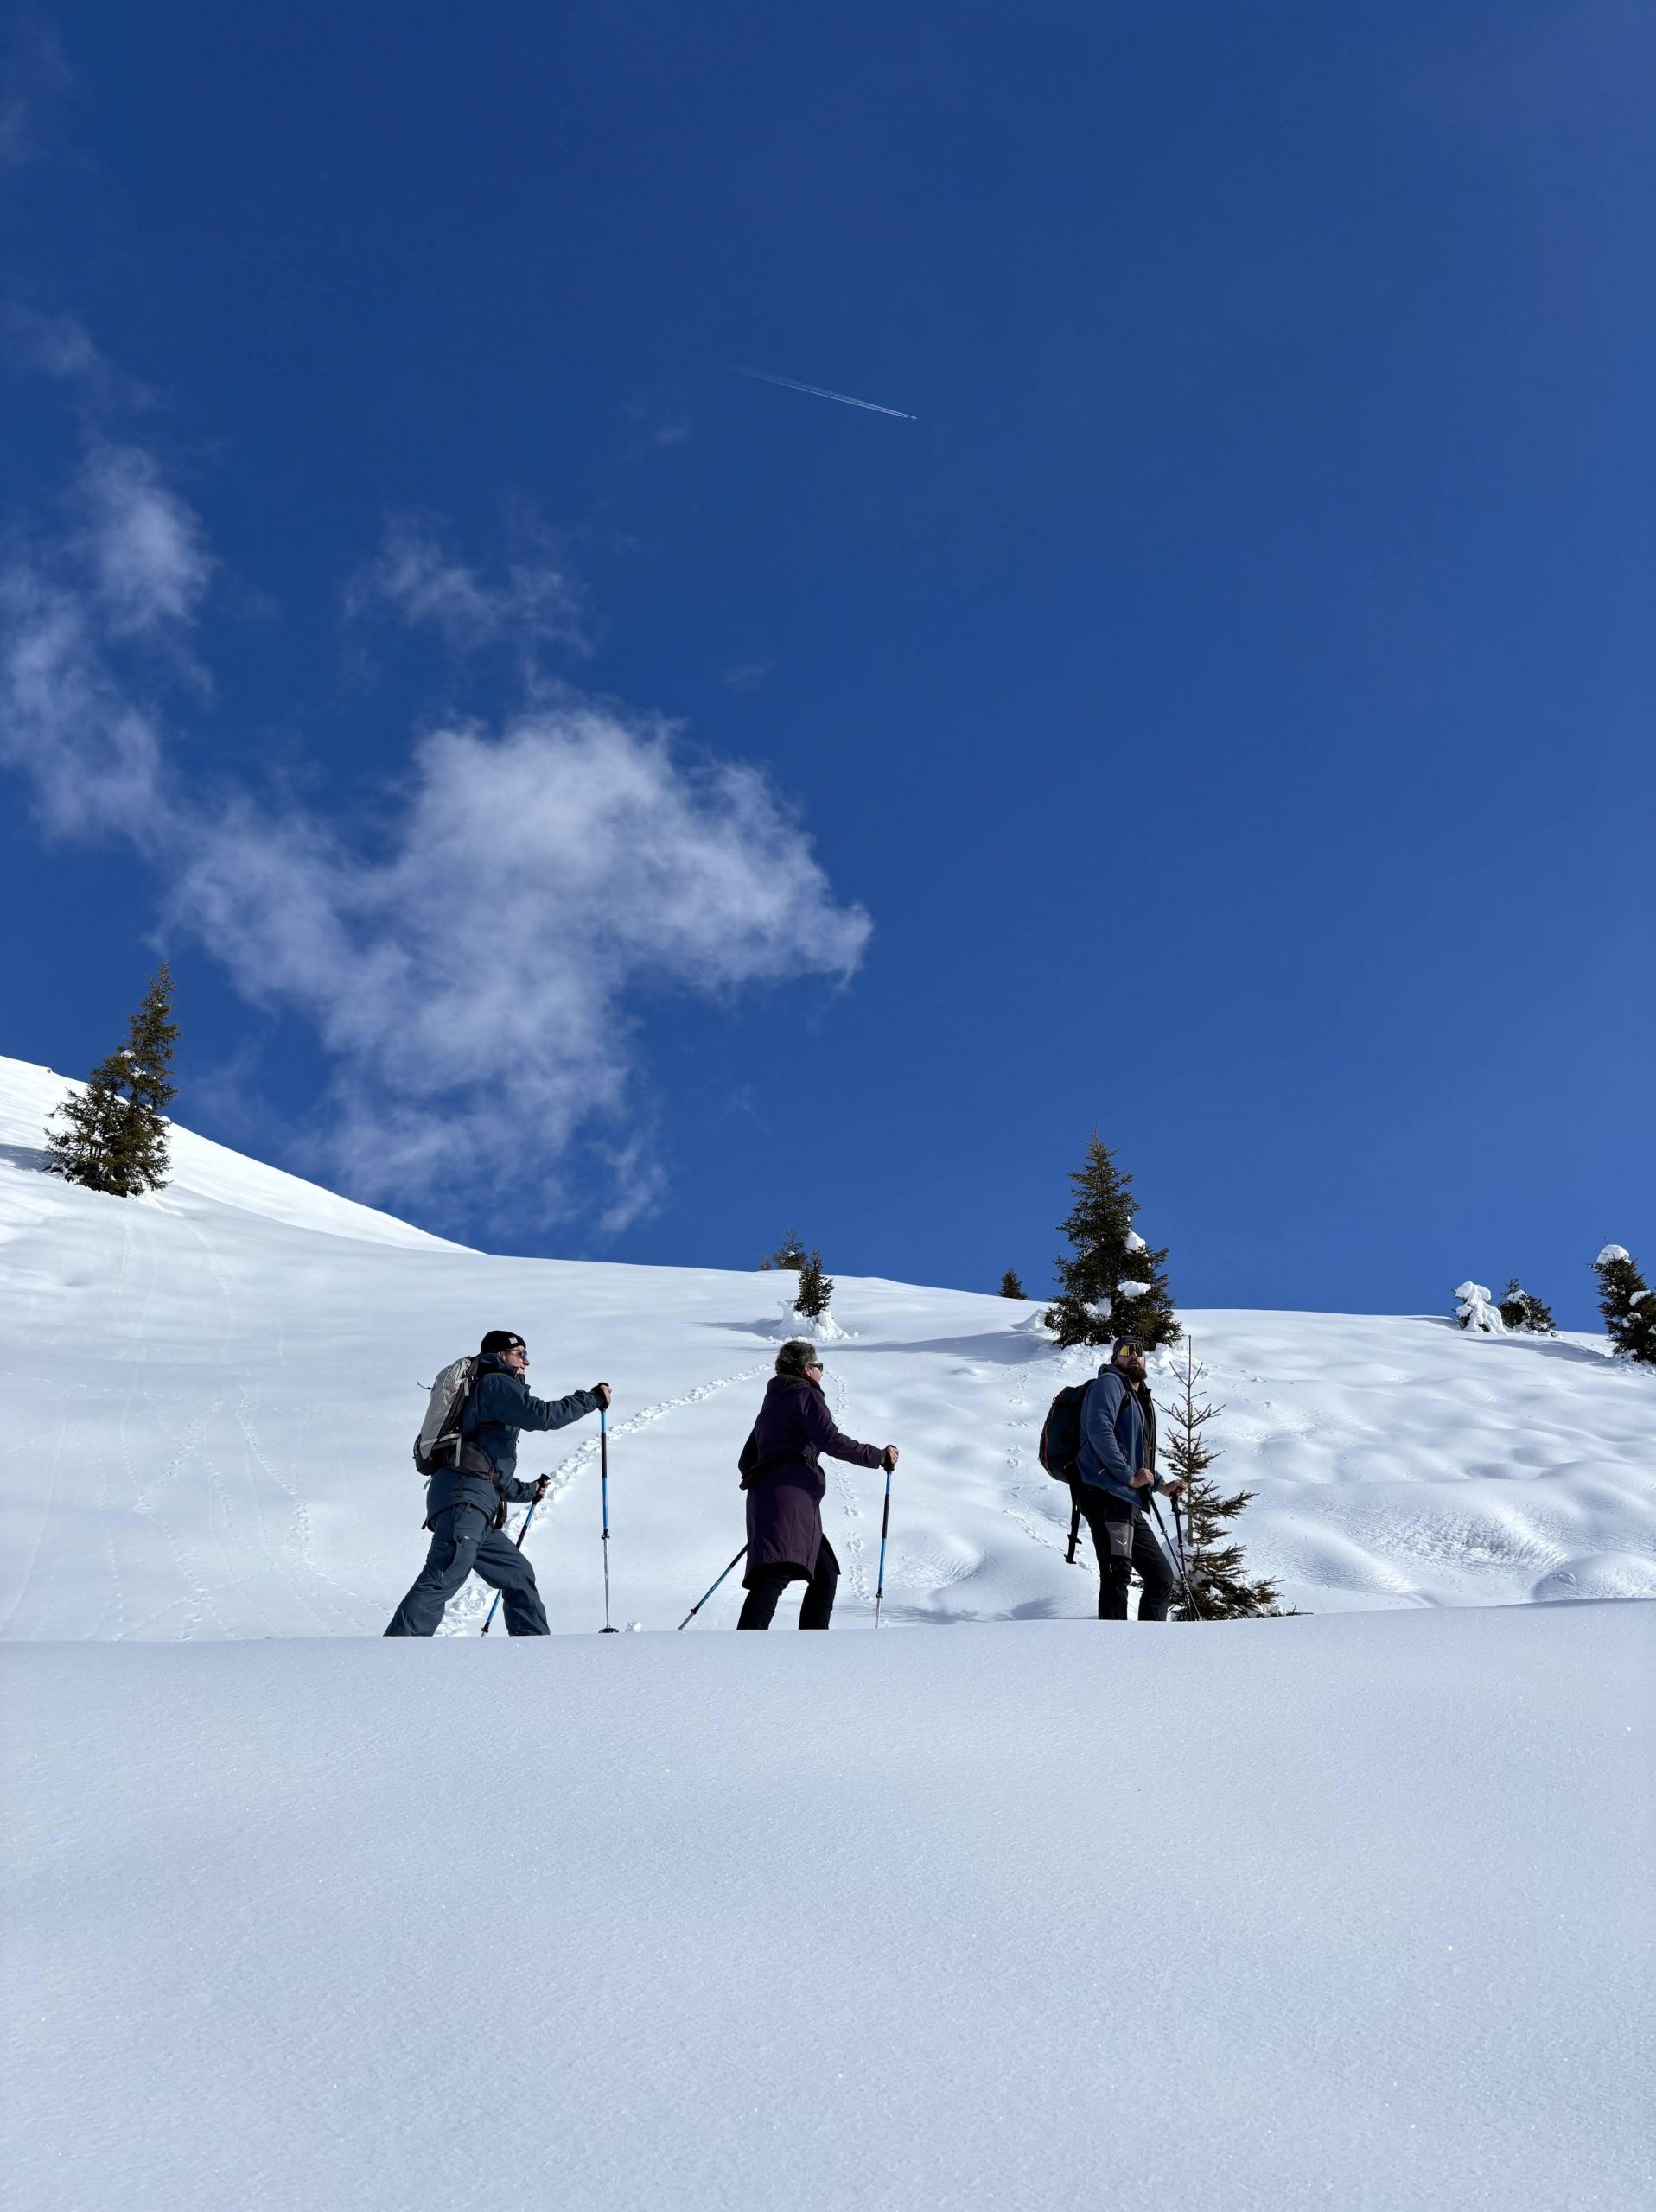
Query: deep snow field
(1325, 1911)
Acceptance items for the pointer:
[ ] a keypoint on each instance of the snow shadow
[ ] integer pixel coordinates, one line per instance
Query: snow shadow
(35, 1158)
(997, 1348)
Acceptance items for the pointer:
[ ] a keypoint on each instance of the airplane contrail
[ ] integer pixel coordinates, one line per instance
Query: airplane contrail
(817, 390)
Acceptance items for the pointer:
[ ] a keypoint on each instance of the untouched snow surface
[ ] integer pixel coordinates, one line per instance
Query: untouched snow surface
(210, 1396)
(1349, 1912)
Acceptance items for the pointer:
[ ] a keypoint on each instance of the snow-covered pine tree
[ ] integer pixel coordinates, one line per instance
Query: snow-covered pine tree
(790, 1253)
(1011, 1287)
(1628, 1308)
(1522, 1311)
(1475, 1310)
(815, 1288)
(1112, 1281)
(115, 1133)
(1213, 1557)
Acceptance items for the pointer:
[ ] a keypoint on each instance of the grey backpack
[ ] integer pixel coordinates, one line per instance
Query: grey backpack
(438, 1443)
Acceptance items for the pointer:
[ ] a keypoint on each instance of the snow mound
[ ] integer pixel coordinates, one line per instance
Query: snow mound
(821, 1329)
(1601, 1574)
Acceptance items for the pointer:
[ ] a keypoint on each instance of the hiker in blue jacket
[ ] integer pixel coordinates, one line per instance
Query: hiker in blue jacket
(1116, 1462)
(465, 1505)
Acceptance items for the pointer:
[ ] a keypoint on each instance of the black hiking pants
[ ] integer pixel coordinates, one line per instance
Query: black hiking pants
(816, 1607)
(462, 1543)
(1122, 1540)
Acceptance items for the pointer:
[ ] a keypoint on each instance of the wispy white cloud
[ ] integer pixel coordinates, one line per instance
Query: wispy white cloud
(64, 349)
(32, 73)
(747, 674)
(472, 983)
(474, 975)
(417, 579)
(94, 619)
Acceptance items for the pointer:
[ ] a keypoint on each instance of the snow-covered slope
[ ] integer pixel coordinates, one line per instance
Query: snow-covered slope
(210, 1394)
(1349, 1913)
(1278, 1914)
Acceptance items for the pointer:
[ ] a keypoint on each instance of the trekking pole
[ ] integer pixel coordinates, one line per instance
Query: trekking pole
(603, 1484)
(1176, 1556)
(1184, 1566)
(885, 1523)
(711, 1588)
(522, 1533)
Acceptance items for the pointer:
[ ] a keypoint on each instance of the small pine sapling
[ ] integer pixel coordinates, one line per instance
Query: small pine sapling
(114, 1137)
(790, 1253)
(1626, 1302)
(1520, 1310)
(1112, 1279)
(1011, 1287)
(815, 1288)
(1213, 1557)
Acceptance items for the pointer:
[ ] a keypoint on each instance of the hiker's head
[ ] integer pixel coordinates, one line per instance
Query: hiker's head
(506, 1344)
(1128, 1354)
(799, 1357)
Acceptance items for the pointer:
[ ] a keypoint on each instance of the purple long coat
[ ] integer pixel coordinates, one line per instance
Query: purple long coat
(782, 1476)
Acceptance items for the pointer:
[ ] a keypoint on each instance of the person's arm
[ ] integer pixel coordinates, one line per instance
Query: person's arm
(1099, 1411)
(526, 1411)
(819, 1428)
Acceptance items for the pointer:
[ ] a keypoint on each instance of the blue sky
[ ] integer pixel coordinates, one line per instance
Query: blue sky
(597, 803)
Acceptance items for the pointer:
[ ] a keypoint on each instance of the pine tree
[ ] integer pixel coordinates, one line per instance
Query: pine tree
(1212, 1555)
(1112, 1282)
(115, 1138)
(815, 1289)
(790, 1253)
(1011, 1287)
(1628, 1308)
(1520, 1309)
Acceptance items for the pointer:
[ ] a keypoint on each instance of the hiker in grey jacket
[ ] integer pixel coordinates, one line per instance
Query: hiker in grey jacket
(465, 1505)
(1116, 1462)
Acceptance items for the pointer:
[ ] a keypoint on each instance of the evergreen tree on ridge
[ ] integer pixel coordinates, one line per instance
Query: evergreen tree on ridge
(1112, 1282)
(114, 1137)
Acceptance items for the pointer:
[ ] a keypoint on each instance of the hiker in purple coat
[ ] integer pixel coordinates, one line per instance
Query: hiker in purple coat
(782, 1476)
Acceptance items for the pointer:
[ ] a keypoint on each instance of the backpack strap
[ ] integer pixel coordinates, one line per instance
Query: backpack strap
(1075, 1526)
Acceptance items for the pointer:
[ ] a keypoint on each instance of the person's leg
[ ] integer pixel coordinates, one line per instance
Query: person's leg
(504, 1567)
(1154, 1571)
(758, 1607)
(455, 1539)
(817, 1606)
(1110, 1523)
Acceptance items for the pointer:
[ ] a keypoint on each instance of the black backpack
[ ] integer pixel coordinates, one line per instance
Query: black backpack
(1060, 1432)
(1061, 1447)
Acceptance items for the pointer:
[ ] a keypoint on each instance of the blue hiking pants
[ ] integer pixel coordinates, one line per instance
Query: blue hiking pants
(462, 1543)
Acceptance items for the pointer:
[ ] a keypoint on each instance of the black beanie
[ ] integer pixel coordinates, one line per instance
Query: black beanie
(500, 1340)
